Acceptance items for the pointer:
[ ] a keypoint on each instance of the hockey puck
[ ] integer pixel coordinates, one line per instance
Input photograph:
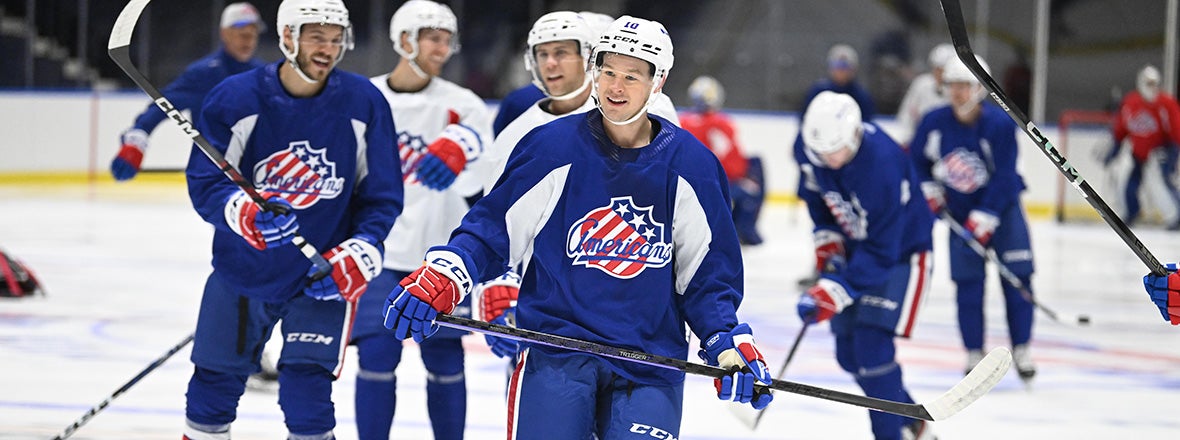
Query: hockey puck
(1084, 320)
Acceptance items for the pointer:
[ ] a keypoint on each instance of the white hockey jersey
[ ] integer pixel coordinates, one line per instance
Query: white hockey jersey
(922, 96)
(429, 215)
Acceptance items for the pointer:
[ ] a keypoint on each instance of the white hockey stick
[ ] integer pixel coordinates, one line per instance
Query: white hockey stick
(978, 382)
(1006, 274)
(118, 47)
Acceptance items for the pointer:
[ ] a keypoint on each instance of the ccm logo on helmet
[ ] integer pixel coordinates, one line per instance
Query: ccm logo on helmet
(626, 39)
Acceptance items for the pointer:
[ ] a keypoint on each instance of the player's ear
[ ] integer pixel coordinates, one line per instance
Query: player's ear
(404, 42)
(287, 40)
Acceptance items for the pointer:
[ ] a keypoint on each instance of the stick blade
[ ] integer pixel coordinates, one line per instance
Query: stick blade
(978, 382)
(125, 24)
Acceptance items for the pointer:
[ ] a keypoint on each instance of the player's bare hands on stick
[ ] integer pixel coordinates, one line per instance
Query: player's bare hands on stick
(734, 350)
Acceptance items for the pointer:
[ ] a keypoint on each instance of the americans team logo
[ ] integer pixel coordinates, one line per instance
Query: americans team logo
(621, 239)
(300, 174)
(962, 170)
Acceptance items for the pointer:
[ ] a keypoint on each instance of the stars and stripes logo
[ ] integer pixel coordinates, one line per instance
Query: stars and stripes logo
(621, 239)
(962, 170)
(300, 174)
(411, 149)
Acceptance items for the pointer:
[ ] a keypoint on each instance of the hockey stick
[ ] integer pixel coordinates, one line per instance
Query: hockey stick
(118, 47)
(1011, 278)
(958, 29)
(102, 405)
(978, 382)
(751, 417)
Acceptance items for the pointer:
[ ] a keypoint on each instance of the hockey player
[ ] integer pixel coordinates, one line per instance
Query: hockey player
(560, 44)
(925, 93)
(442, 128)
(965, 154)
(878, 273)
(317, 142)
(716, 131)
(842, 66)
(620, 220)
(1152, 121)
(240, 27)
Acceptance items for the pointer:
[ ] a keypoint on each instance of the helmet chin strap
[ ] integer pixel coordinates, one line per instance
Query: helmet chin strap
(573, 94)
(650, 98)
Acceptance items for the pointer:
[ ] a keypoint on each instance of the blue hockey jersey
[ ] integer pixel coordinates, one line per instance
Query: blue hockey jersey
(873, 201)
(975, 163)
(188, 90)
(619, 246)
(332, 156)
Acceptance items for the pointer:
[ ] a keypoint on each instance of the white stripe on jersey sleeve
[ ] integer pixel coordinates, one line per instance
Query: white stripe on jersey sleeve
(690, 234)
(359, 128)
(528, 214)
(237, 143)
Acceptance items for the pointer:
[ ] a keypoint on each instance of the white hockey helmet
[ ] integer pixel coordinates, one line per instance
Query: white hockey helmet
(830, 123)
(293, 14)
(1148, 82)
(415, 15)
(598, 23)
(940, 55)
(706, 91)
(956, 71)
(559, 26)
(643, 39)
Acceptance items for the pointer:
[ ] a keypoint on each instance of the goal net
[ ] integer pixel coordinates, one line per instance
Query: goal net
(1084, 138)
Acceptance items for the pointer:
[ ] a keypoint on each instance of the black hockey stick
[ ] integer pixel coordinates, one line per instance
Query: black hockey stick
(118, 47)
(978, 382)
(102, 405)
(1006, 274)
(958, 30)
(750, 416)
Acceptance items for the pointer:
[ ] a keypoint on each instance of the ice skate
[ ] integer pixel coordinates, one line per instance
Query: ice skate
(918, 430)
(973, 358)
(1022, 359)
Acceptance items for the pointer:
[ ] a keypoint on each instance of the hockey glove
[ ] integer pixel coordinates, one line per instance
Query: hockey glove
(1165, 293)
(829, 251)
(446, 157)
(823, 301)
(982, 225)
(498, 305)
(734, 350)
(354, 262)
(126, 163)
(935, 196)
(271, 226)
(438, 286)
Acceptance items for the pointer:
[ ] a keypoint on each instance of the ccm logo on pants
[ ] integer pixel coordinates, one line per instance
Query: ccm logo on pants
(314, 338)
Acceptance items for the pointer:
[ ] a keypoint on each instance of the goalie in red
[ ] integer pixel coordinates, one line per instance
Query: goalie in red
(1151, 120)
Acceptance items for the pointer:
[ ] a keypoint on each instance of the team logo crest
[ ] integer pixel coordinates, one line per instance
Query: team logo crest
(849, 214)
(300, 174)
(621, 239)
(962, 170)
(411, 148)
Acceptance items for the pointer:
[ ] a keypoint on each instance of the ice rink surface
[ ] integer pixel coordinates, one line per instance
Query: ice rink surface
(124, 266)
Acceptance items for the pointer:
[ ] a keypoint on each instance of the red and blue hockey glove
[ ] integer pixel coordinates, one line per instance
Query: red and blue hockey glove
(261, 227)
(438, 286)
(126, 163)
(354, 262)
(823, 301)
(498, 305)
(446, 157)
(829, 251)
(734, 350)
(935, 196)
(1165, 293)
(982, 225)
